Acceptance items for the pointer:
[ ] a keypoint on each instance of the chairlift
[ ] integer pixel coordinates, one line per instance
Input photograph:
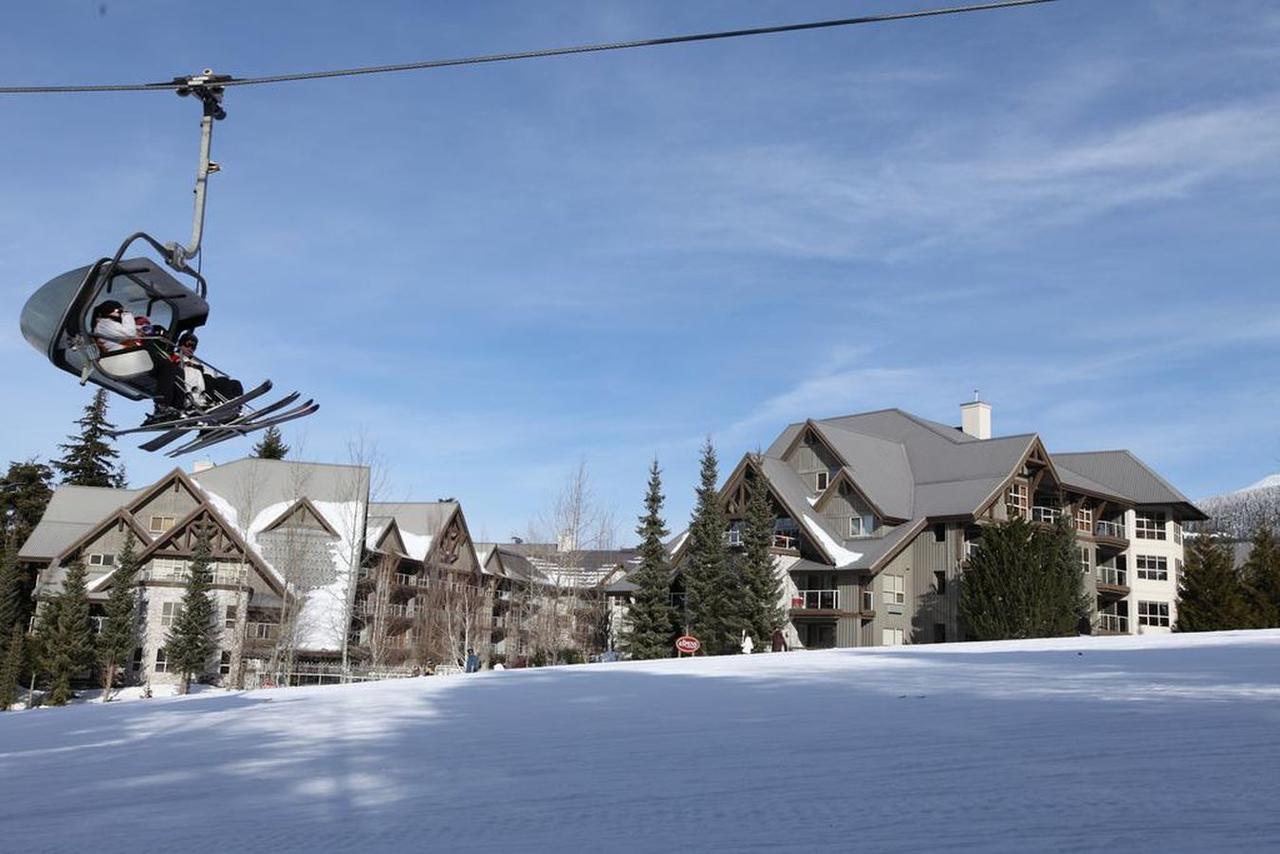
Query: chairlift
(58, 319)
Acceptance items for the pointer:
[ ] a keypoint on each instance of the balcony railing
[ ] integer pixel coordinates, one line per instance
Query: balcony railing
(823, 600)
(1040, 513)
(409, 580)
(1109, 529)
(786, 541)
(262, 631)
(1113, 577)
(386, 609)
(1113, 623)
(228, 577)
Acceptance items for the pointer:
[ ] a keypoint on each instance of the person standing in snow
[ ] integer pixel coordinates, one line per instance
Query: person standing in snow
(779, 641)
(747, 644)
(473, 661)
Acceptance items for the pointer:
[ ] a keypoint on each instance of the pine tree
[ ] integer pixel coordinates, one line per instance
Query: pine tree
(24, 493)
(650, 617)
(1261, 576)
(11, 669)
(68, 644)
(119, 635)
(89, 458)
(1023, 581)
(191, 642)
(763, 586)
(271, 446)
(714, 593)
(11, 588)
(1211, 597)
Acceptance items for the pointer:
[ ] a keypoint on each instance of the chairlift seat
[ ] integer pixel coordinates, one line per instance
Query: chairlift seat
(133, 361)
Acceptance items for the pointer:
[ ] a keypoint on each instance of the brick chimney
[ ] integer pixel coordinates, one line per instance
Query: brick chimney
(975, 418)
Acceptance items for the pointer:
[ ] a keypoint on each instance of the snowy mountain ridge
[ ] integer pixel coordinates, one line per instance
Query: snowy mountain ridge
(988, 744)
(1239, 513)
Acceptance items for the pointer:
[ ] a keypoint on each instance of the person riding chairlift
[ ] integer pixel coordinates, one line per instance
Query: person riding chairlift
(200, 381)
(114, 329)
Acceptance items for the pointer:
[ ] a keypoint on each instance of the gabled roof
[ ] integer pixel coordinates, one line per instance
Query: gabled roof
(304, 506)
(71, 512)
(1124, 473)
(879, 468)
(206, 514)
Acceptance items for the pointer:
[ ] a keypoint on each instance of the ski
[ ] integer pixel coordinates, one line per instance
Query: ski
(213, 412)
(178, 432)
(231, 430)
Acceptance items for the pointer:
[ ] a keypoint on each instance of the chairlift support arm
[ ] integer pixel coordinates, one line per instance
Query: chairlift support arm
(209, 88)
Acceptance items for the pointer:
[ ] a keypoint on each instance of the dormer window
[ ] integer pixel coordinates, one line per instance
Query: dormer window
(821, 479)
(862, 526)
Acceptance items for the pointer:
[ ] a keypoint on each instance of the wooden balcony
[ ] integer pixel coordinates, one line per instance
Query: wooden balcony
(827, 604)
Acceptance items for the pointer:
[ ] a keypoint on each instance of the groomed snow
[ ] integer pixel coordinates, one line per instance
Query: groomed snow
(1156, 743)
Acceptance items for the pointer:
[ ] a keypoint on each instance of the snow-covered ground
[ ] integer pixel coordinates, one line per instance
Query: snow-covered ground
(1158, 743)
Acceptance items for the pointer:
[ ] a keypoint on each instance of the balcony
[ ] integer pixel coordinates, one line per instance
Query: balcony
(1113, 624)
(1110, 530)
(1048, 515)
(816, 600)
(1112, 581)
(385, 609)
(218, 577)
(786, 540)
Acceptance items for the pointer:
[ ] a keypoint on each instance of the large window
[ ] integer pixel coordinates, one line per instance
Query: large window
(1150, 526)
(169, 612)
(891, 637)
(160, 524)
(1084, 519)
(229, 619)
(1084, 559)
(1153, 614)
(1152, 567)
(1015, 500)
(895, 590)
(224, 663)
(162, 661)
(102, 560)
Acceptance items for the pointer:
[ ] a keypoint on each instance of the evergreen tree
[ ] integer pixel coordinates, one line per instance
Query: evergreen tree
(68, 644)
(271, 446)
(11, 588)
(1261, 575)
(763, 586)
(1023, 581)
(191, 641)
(650, 617)
(1210, 595)
(89, 458)
(119, 635)
(11, 670)
(714, 592)
(24, 493)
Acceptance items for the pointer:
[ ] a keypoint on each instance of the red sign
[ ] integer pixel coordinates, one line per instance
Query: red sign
(688, 644)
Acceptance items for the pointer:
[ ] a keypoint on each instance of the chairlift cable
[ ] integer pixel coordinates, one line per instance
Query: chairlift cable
(532, 54)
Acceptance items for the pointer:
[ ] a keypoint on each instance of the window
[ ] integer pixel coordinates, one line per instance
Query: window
(895, 590)
(102, 560)
(940, 581)
(137, 658)
(224, 663)
(857, 526)
(733, 536)
(891, 637)
(939, 632)
(162, 661)
(1177, 571)
(940, 532)
(169, 612)
(821, 479)
(160, 524)
(1153, 614)
(1150, 526)
(1084, 519)
(1177, 533)
(230, 619)
(1084, 559)
(1015, 500)
(1152, 568)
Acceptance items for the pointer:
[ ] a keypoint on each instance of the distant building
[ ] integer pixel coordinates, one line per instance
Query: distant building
(877, 513)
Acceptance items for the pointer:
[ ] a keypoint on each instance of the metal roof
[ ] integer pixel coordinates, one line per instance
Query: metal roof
(72, 511)
(1130, 476)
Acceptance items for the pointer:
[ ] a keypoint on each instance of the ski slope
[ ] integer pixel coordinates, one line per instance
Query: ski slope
(1158, 743)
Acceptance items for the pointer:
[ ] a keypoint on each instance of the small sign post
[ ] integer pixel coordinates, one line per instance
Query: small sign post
(687, 645)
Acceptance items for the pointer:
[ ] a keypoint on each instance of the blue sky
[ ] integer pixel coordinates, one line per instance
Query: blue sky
(497, 271)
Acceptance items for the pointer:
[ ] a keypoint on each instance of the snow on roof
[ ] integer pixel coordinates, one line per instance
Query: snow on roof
(416, 546)
(839, 554)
